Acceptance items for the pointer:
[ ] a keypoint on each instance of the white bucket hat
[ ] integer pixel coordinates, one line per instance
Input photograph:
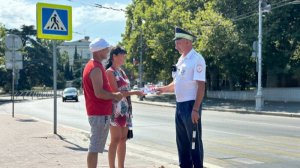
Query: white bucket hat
(98, 44)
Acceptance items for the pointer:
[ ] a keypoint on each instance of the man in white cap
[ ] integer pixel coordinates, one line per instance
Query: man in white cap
(98, 99)
(189, 86)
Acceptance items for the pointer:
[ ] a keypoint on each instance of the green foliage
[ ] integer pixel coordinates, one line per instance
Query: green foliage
(4, 75)
(149, 31)
(222, 48)
(37, 61)
(225, 31)
(281, 40)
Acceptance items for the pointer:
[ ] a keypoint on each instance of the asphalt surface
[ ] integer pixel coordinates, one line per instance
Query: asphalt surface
(289, 109)
(230, 139)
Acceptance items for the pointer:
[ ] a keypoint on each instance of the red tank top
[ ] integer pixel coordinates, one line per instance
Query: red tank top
(94, 105)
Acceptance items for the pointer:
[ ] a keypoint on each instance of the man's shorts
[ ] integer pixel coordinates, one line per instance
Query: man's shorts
(99, 131)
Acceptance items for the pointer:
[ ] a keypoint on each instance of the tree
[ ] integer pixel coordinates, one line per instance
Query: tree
(37, 61)
(161, 17)
(77, 69)
(281, 40)
(228, 56)
(225, 29)
(150, 30)
(4, 75)
(280, 37)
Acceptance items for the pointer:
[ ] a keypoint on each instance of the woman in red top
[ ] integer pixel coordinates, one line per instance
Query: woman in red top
(122, 110)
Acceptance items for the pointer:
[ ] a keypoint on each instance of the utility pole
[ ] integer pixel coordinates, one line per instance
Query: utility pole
(259, 96)
(262, 7)
(141, 62)
(141, 57)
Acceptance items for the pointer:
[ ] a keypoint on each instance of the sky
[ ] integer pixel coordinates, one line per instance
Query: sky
(87, 20)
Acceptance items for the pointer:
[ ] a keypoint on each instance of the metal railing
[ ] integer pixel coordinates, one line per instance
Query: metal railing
(38, 94)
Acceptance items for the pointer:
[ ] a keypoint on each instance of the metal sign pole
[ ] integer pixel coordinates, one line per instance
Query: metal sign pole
(13, 43)
(60, 29)
(54, 86)
(13, 78)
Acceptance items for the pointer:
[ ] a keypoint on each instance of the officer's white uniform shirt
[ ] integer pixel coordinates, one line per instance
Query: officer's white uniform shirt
(190, 69)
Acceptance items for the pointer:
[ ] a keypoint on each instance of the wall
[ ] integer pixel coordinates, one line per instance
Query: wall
(270, 94)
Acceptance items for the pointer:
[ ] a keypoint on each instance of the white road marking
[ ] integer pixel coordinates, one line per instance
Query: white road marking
(162, 156)
(246, 161)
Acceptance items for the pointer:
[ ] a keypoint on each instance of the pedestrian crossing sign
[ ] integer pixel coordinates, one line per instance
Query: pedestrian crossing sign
(54, 21)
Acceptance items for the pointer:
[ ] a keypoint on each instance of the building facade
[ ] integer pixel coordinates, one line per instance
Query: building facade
(82, 47)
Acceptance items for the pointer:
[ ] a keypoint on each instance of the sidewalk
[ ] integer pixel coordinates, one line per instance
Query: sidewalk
(288, 109)
(26, 142)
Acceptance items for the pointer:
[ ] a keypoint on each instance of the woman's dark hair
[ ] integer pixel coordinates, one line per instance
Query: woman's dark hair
(114, 51)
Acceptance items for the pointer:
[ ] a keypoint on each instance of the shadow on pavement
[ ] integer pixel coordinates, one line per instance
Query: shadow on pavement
(4, 101)
(26, 120)
(60, 137)
(75, 148)
(72, 101)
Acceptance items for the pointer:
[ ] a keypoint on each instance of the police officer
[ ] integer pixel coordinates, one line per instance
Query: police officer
(189, 76)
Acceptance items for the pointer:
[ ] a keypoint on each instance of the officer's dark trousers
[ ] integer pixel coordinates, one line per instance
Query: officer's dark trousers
(188, 157)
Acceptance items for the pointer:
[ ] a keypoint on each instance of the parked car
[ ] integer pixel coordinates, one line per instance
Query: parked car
(135, 87)
(70, 93)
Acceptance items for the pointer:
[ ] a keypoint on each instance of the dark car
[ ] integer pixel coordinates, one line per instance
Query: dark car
(70, 93)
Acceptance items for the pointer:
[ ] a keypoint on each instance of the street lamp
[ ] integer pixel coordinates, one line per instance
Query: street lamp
(141, 62)
(262, 7)
(141, 59)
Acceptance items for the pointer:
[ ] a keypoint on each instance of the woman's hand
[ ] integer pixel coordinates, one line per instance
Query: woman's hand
(118, 96)
(139, 93)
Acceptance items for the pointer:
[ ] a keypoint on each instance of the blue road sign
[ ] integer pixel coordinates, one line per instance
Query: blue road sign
(57, 21)
(54, 21)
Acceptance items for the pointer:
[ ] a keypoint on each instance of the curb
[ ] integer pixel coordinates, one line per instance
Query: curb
(282, 114)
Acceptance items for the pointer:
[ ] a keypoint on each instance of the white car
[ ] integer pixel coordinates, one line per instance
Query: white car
(135, 87)
(70, 93)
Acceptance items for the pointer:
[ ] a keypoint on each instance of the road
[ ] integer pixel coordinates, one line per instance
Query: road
(230, 139)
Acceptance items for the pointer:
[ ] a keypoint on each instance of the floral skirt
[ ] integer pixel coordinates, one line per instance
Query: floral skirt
(121, 115)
